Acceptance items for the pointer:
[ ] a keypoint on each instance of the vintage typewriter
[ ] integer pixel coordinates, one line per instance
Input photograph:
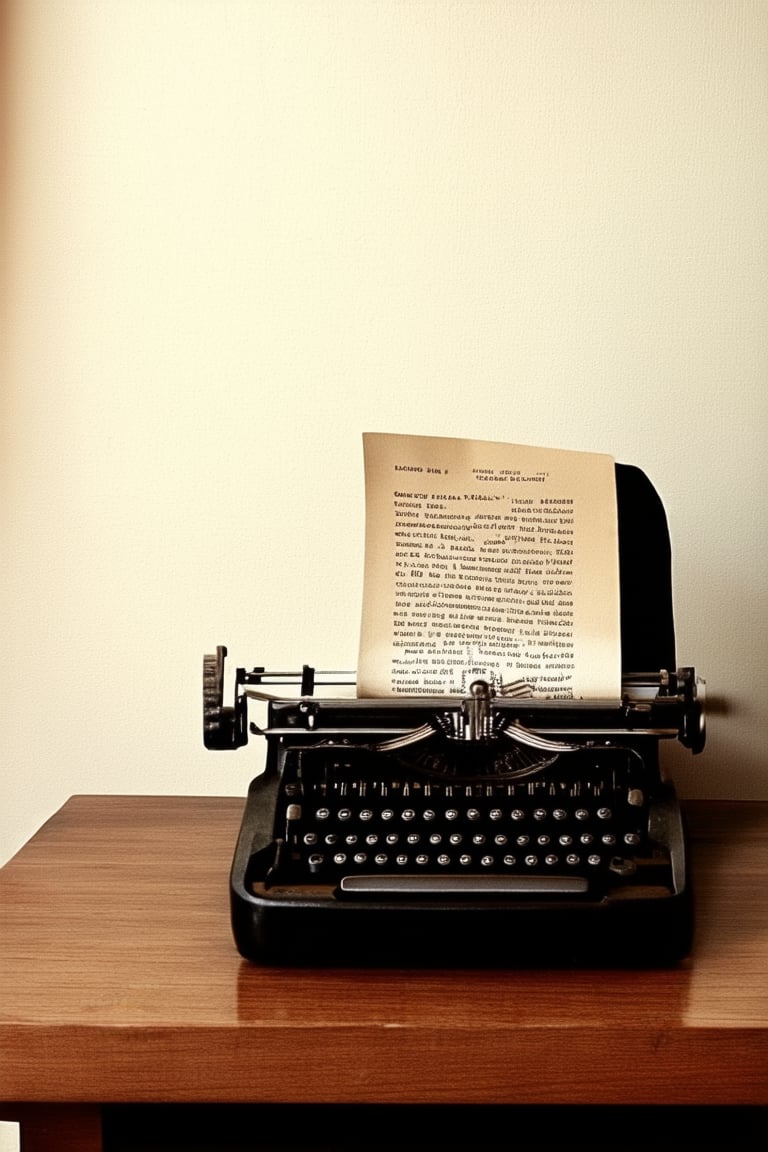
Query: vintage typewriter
(492, 830)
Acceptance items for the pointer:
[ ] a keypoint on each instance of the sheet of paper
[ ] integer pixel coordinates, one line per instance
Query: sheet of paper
(488, 561)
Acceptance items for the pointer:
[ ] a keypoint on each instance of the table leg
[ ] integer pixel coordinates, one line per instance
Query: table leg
(56, 1127)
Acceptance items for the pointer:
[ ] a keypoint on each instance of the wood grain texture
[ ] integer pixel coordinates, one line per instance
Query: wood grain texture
(119, 982)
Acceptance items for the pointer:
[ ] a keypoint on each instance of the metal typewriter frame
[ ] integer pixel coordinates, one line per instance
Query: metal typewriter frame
(461, 923)
(661, 704)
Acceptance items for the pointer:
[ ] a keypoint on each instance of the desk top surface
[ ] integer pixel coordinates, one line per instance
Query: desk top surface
(119, 981)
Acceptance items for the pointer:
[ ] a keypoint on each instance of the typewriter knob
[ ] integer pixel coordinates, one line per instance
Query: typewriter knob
(222, 727)
(693, 732)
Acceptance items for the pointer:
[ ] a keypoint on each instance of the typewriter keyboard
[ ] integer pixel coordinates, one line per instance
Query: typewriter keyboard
(334, 824)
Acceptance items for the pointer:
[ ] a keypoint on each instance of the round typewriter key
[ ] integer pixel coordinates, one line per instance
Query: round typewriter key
(465, 860)
(522, 841)
(632, 838)
(559, 814)
(428, 814)
(487, 861)
(478, 838)
(517, 814)
(310, 838)
(572, 858)
(344, 814)
(608, 839)
(496, 814)
(581, 814)
(401, 858)
(360, 857)
(531, 861)
(315, 861)
(443, 859)
(435, 838)
(473, 814)
(550, 859)
(408, 814)
(331, 839)
(501, 839)
(366, 814)
(604, 814)
(586, 838)
(455, 838)
(380, 858)
(413, 837)
(340, 858)
(565, 840)
(539, 813)
(451, 814)
(371, 838)
(594, 859)
(387, 814)
(510, 861)
(543, 840)
(392, 837)
(351, 839)
(422, 858)
(322, 813)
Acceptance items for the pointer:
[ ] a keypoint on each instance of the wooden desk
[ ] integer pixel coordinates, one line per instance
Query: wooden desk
(119, 983)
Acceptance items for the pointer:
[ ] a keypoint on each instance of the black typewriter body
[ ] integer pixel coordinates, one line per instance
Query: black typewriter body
(490, 830)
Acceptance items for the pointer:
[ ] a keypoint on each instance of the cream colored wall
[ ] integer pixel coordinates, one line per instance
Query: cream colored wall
(241, 233)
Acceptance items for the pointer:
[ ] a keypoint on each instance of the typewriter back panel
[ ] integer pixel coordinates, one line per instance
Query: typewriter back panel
(645, 574)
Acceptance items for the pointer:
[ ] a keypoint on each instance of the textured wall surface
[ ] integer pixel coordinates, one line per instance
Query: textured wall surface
(238, 234)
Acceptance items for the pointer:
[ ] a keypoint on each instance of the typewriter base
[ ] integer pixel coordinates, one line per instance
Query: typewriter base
(490, 937)
(630, 926)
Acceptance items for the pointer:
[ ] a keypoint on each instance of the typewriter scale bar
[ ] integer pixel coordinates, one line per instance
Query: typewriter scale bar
(336, 719)
(344, 734)
(649, 706)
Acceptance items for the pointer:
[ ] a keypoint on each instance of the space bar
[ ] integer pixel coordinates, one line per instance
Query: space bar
(464, 885)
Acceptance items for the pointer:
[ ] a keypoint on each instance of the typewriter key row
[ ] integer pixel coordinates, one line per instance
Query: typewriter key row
(452, 825)
(319, 863)
(500, 839)
(428, 815)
